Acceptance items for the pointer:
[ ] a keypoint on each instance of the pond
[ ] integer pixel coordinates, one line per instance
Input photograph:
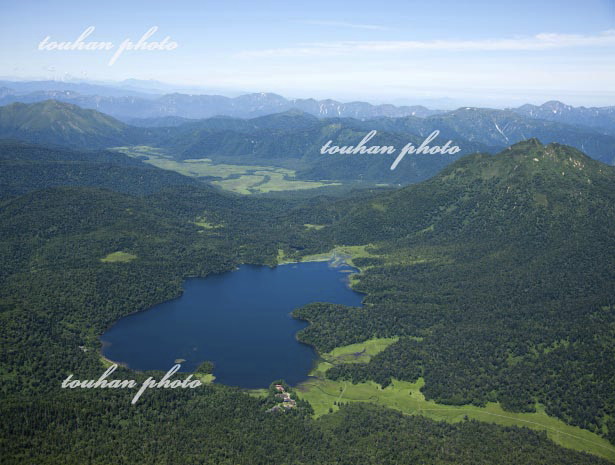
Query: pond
(239, 320)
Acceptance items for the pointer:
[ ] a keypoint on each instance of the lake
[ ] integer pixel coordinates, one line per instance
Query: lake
(239, 320)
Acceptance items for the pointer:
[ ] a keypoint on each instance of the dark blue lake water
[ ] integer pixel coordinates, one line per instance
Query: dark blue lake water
(239, 320)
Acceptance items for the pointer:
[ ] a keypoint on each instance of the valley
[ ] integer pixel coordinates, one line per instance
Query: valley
(241, 179)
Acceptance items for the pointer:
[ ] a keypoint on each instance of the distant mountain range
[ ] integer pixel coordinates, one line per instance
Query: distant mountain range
(293, 138)
(601, 118)
(128, 106)
(145, 103)
(85, 88)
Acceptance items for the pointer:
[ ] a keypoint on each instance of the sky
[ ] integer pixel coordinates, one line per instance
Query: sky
(442, 53)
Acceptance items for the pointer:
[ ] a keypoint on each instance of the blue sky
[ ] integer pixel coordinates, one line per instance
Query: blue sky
(438, 52)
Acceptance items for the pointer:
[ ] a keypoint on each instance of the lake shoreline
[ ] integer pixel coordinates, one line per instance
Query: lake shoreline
(250, 335)
(343, 257)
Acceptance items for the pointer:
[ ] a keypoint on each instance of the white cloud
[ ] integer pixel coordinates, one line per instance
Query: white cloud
(544, 41)
(343, 24)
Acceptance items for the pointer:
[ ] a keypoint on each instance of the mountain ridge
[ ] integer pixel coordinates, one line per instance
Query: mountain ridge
(126, 104)
(51, 121)
(292, 139)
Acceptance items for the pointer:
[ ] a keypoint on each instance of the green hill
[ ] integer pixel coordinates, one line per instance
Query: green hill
(493, 197)
(53, 122)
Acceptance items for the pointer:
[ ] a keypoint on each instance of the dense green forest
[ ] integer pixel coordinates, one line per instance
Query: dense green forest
(503, 266)
(28, 167)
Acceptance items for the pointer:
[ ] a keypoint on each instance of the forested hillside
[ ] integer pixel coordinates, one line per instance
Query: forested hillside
(27, 167)
(504, 268)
